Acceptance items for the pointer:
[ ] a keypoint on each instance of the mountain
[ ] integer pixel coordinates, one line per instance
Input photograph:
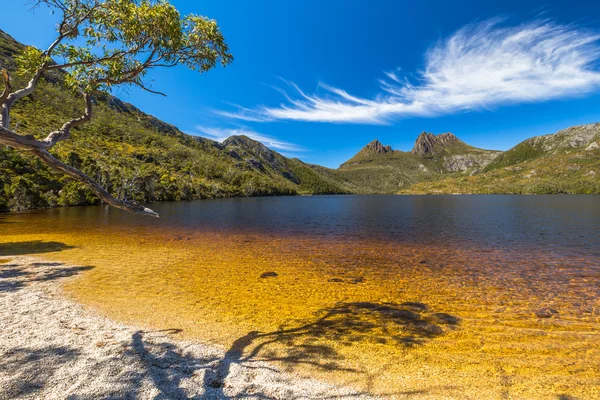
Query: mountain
(380, 169)
(567, 161)
(428, 144)
(308, 179)
(373, 148)
(453, 154)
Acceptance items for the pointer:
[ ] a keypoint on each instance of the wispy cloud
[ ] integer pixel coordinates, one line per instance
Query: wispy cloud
(480, 66)
(220, 134)
(392, 75)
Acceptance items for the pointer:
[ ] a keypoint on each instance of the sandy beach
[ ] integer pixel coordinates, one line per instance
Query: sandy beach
(53, 348)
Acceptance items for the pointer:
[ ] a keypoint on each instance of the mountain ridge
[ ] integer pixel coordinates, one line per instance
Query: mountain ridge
(431, 144)
(567, 161)
(137, 156)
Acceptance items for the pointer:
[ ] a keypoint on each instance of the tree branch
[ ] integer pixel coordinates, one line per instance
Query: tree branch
(7, 89)
(74, 173)
(149, 90)
(28, 143)
(19, 94)
(65, 132)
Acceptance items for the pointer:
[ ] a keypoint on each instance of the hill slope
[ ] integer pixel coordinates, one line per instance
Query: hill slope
(135, 156)
(564, 162)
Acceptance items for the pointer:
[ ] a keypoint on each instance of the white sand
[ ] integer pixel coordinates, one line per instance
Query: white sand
(53, 348)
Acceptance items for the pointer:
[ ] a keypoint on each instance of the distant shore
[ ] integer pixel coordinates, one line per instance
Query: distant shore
(53, 348)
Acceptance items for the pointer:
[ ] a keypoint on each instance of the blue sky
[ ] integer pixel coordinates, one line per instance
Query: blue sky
(318, 80)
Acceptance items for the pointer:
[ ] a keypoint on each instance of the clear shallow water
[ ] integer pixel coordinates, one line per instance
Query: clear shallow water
(388, 293)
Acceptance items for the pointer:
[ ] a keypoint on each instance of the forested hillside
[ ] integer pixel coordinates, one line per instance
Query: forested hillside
(133, 155)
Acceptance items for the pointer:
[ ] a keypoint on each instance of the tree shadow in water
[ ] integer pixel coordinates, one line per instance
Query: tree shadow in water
(315, 343)
(14, 276)
(31, 247)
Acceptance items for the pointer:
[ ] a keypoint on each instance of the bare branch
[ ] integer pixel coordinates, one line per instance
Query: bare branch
(4, 111)
(10, 138)
(65, 132)
(74, 173)
(19, 94)
(149, 90)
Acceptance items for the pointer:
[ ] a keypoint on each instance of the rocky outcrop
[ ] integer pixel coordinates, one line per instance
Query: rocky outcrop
(375, 147)
(593, 146)
(571, 138)
(469, 162)
(428, 144)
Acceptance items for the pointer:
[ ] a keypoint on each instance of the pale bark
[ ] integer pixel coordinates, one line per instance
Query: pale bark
(40, 148)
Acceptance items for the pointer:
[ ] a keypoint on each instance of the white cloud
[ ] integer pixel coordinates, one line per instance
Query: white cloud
(480, 66)
(392, 75)
(220, 134)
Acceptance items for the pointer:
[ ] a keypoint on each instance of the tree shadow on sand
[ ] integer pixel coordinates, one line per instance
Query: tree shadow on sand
(153, 364)
(315, 343)
(31, 247)
(32, 369)
(165, 364)
(14, 276)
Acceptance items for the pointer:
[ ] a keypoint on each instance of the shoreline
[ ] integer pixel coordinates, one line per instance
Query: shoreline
(52, 347)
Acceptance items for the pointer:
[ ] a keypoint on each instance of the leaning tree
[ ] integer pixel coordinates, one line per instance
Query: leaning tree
(101, 44)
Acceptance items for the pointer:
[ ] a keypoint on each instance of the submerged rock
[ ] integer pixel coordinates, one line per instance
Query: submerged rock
(269, 274)
(545, 312)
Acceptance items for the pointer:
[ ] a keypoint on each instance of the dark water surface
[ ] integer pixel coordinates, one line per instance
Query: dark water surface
(555, 223)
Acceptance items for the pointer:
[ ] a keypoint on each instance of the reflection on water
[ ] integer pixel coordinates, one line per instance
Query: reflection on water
(459, 296)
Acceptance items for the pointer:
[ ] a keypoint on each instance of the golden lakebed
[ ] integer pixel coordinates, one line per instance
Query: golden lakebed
(394, 319)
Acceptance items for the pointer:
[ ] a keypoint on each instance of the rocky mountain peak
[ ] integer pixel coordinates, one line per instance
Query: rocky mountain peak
(375, 147)
(430, 144)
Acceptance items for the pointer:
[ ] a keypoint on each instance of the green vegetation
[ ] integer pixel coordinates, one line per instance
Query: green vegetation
(138, 157)
(524, 151)
(565, 162)
(133, 155)
(389, 172)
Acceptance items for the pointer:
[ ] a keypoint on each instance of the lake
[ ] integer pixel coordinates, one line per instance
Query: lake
(459, 296)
